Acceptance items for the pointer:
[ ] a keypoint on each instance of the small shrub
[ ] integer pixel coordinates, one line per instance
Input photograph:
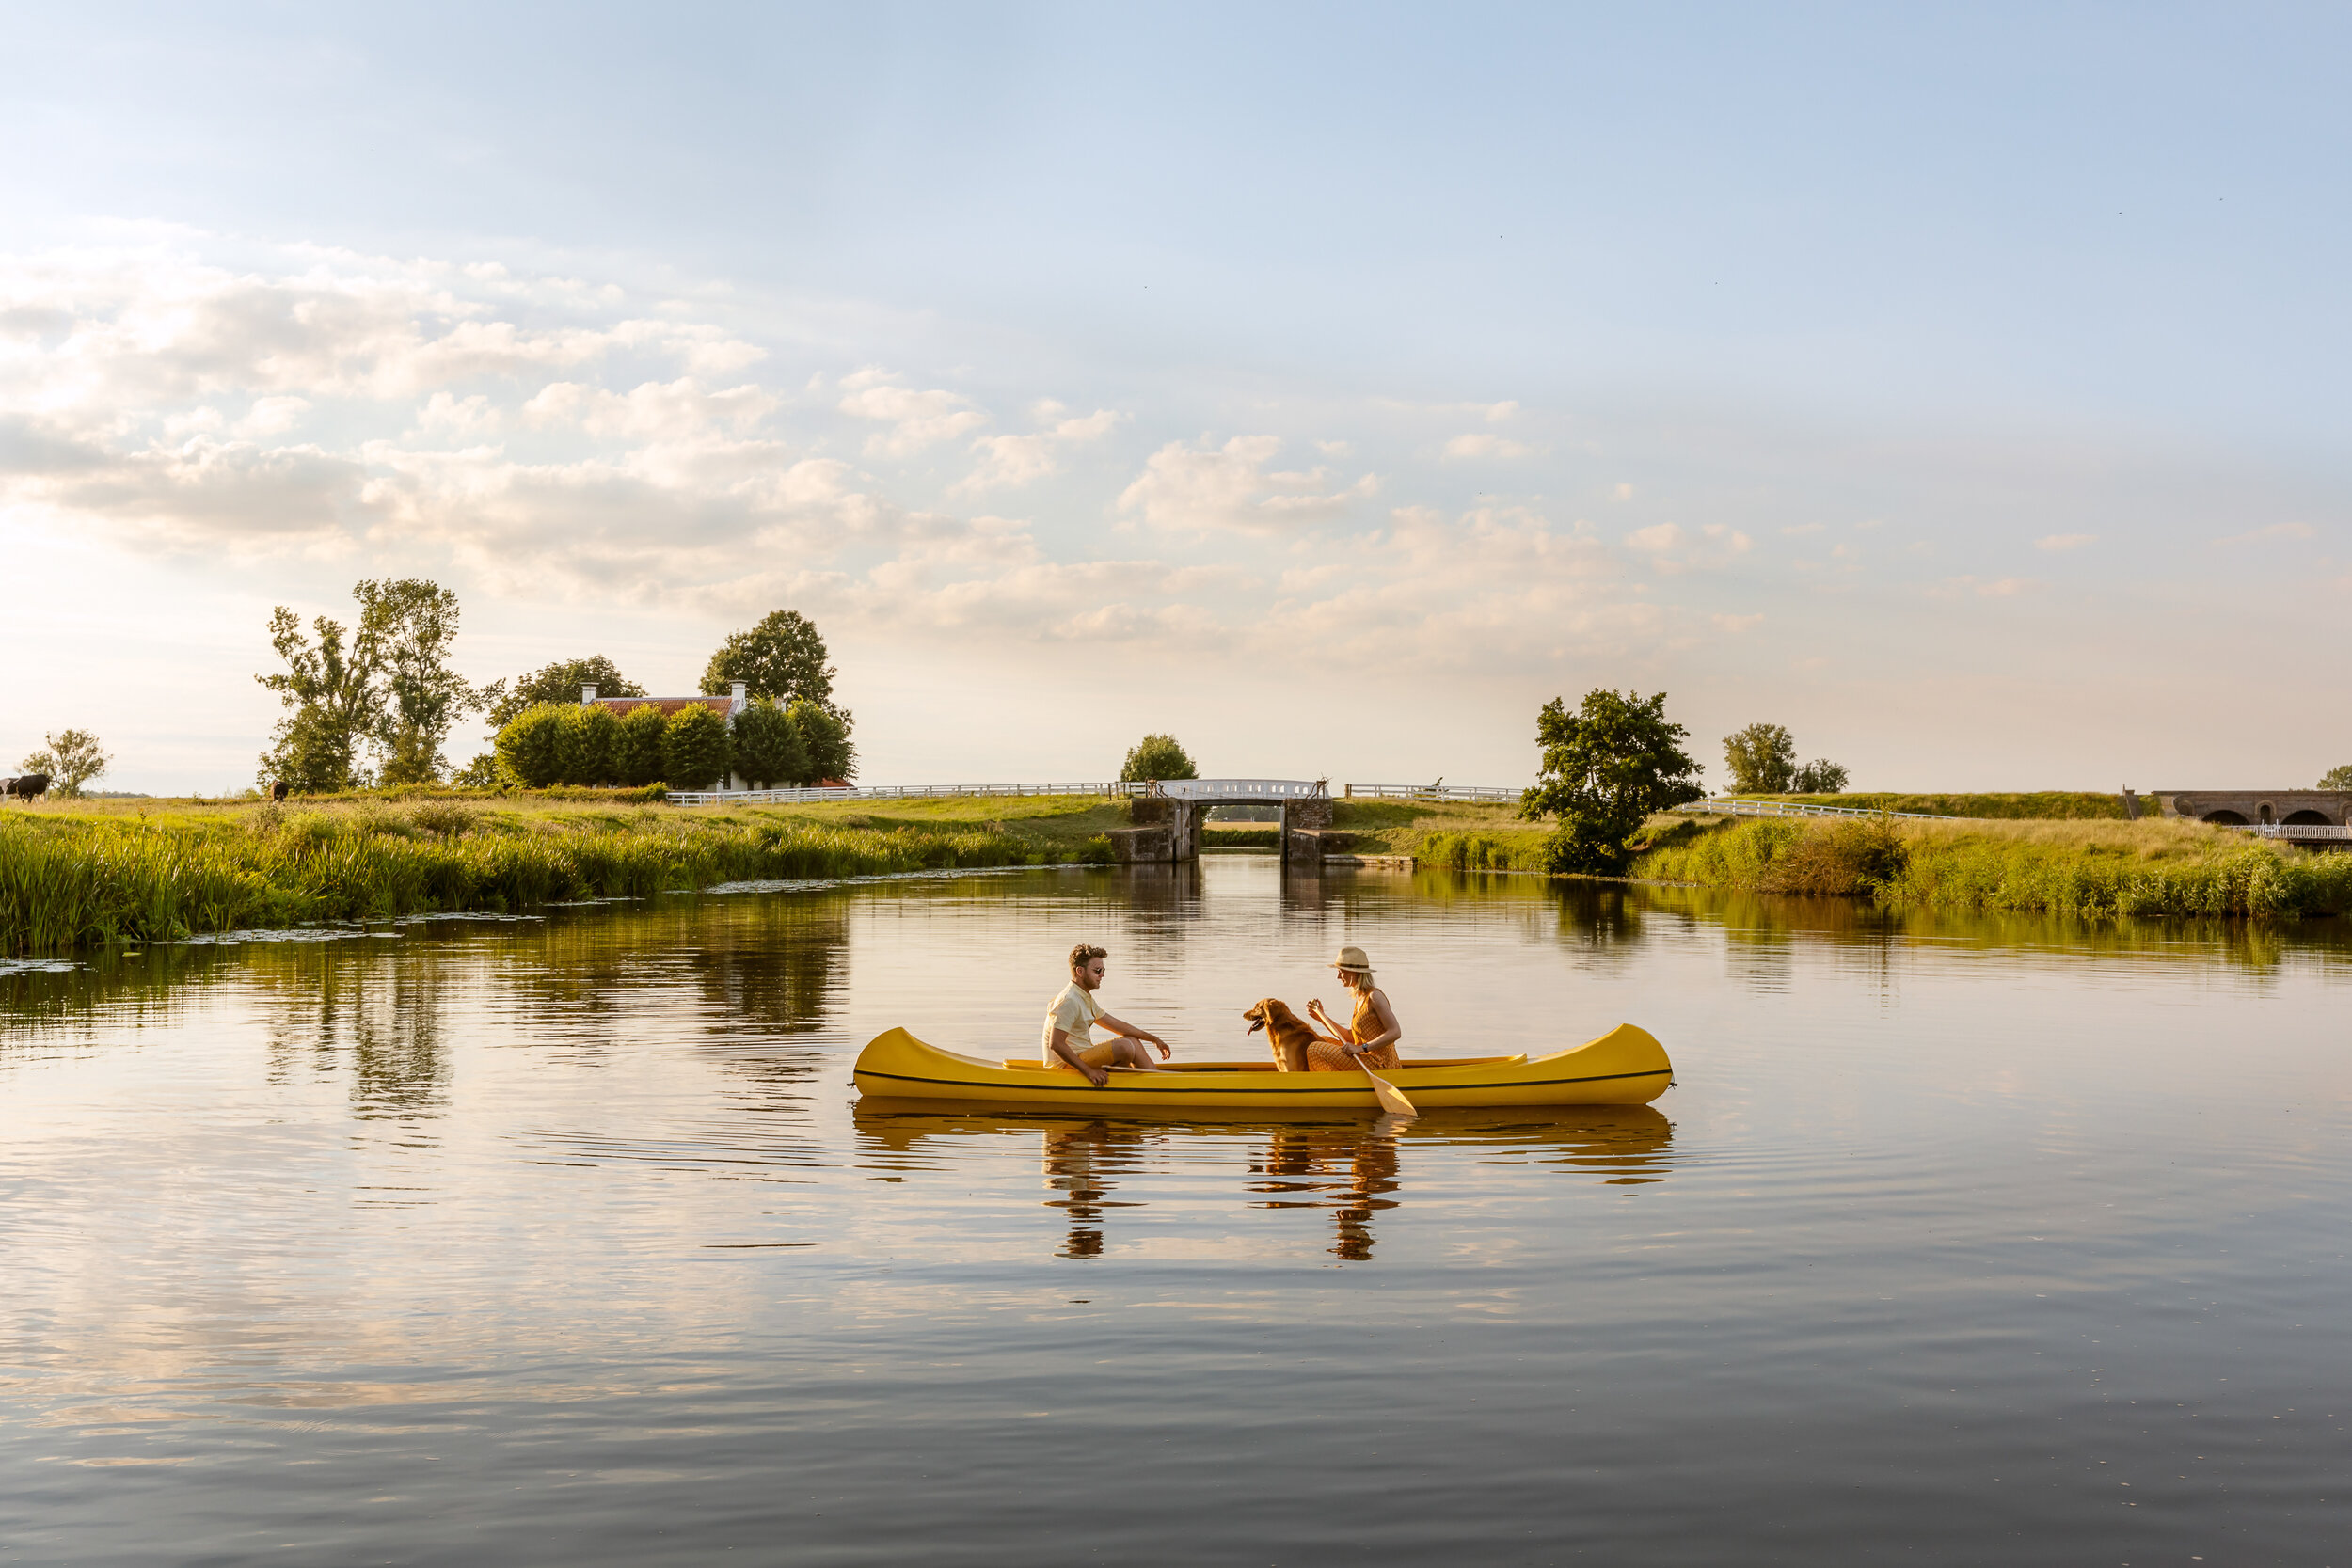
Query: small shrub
(446, 818)
(1580, 844)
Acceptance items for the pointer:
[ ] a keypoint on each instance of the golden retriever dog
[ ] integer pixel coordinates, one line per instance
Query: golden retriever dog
(1287, 1034)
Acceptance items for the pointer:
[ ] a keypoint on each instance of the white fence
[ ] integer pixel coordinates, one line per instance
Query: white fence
(1431, 792)
(2299, 832)
(1181, 789)
(1723, 806)
(895, 792)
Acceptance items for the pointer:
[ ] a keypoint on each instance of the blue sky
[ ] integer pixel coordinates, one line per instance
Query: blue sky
(1963, 389)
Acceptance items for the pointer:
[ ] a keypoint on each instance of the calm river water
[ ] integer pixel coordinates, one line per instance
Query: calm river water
(565, 1241)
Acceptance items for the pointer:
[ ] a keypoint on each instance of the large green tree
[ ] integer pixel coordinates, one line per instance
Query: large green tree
(559, 682)
(1820, 777)
(827, 737)
(1763, 760)
(389, 687)
(2337, 778)
(71, 758)
(330, 692)
(1156, 756)
(1606, 767)
(783, 657)
(768, 750)
(417, 626)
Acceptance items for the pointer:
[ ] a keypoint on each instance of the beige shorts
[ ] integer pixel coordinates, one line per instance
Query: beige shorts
(1100, 1054)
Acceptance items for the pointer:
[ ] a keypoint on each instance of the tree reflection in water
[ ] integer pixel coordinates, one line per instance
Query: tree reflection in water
(1355, 1168)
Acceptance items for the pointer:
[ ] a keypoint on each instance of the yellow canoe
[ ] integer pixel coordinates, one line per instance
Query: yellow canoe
(1625, 1066)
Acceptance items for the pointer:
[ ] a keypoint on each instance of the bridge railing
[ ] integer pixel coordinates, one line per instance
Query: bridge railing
(1114, 790)
(1431, 792)
(1244, 789)
(2299, 832)
(1723, 805)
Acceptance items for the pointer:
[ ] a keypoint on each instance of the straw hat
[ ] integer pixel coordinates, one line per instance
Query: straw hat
(1353, 958)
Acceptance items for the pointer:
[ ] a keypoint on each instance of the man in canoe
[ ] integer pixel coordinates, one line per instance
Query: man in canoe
(1071, 1018)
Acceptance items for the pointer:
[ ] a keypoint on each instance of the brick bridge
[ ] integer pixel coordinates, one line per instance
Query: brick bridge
(2308, 808)
(1168, 820)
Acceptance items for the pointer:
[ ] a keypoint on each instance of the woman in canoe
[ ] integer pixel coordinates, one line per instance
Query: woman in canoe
(1370, 1037)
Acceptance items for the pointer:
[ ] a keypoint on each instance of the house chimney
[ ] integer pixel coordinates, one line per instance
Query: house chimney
(737, 692)
(587, 695)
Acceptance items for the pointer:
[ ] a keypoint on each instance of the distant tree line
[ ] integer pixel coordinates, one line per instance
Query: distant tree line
(1763, 761)
(373, 703)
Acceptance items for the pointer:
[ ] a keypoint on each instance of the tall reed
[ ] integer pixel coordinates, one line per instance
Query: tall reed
(74, 883)
(2084, 868)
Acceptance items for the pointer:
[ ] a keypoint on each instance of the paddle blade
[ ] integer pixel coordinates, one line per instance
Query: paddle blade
(1392, 1099)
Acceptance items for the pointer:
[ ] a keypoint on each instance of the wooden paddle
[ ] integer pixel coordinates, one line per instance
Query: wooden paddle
(1391, 1097)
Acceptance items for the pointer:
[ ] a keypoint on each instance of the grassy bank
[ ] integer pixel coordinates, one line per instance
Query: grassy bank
(2080, 867)
(92, 873)
(2046, 805)
(1454, 834)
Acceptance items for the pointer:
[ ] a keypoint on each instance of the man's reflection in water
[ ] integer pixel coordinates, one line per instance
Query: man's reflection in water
(1355, 1169)
(1079, 1165)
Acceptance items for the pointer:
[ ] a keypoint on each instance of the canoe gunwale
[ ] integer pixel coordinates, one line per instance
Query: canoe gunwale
(1082, 1086)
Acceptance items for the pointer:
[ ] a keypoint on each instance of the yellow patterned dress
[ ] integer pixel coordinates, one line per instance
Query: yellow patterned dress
(1323, 1056)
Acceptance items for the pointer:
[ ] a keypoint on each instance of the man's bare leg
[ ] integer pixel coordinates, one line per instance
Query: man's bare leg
(1134, 1054)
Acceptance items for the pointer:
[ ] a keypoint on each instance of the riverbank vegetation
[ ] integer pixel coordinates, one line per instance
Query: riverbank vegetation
(108, 873)
(2079, 868)
(2075, 866)
(2039, 805)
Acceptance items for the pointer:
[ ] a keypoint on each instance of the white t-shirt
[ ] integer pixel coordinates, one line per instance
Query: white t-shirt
(1075, 1011)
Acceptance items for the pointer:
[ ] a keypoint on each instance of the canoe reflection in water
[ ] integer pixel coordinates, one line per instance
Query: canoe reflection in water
(1355, 1167)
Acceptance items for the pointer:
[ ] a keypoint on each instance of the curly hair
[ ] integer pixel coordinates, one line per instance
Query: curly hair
(1085, 953)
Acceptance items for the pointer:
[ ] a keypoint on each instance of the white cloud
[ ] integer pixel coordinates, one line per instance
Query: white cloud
(2065, 541)
(1486, 444)
(2274, 532)
(1673, 550)
(273, 416)
(1997, 588)
(1737, 624)
(918, 419)
(1008, 462)
(1228, 487)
